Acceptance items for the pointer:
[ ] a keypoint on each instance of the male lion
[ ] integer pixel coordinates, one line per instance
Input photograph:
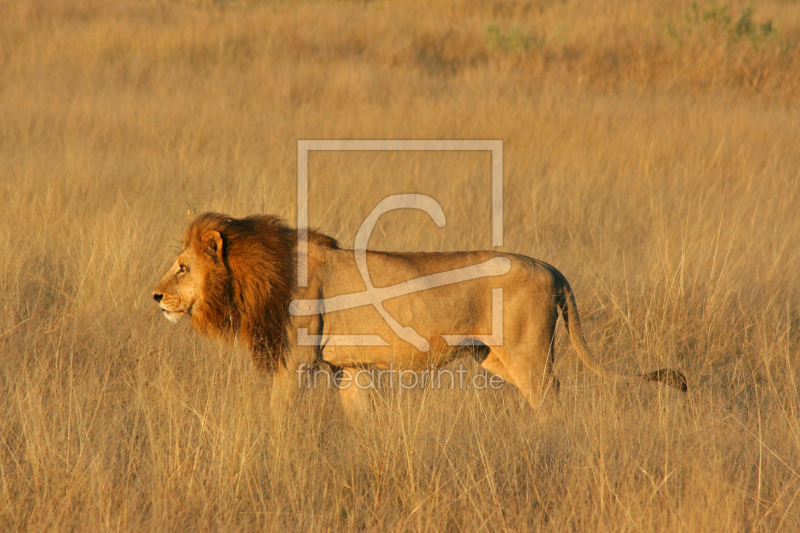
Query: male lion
(236, 279)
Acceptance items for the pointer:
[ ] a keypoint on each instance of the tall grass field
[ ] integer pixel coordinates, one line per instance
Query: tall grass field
(651, 152)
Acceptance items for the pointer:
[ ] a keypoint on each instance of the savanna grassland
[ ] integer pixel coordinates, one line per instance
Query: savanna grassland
(650, 153)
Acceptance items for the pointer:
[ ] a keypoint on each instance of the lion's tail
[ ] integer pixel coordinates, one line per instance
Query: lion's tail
(569, 310)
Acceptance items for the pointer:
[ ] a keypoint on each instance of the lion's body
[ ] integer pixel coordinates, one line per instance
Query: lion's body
(244, 287)
(463, 308)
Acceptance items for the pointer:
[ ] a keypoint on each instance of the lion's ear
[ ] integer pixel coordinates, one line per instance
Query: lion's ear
(212, 244)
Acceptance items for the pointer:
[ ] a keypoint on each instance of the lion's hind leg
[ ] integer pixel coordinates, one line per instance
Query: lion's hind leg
(526, 359)
(487, 357)
(533, 380)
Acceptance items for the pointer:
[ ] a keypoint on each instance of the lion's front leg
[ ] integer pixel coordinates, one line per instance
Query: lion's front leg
(298, 359)
(357, 394)
(284, 394)
(289, 379)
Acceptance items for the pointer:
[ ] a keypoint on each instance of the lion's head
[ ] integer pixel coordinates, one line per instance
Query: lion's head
(234, 278)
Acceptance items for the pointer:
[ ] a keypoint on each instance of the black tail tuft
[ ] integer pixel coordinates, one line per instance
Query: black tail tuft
(673, 378)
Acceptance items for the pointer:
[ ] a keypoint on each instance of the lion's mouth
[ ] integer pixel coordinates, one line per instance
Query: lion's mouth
(172, 316)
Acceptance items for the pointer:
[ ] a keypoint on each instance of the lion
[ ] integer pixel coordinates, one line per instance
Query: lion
(237, 279)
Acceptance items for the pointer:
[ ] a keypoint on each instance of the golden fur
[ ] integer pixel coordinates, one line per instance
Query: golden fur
(236, 279)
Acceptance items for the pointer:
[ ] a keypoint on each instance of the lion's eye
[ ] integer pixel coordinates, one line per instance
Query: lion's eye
(182, 269)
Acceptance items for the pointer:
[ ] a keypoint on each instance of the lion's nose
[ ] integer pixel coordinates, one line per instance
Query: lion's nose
(157, 297)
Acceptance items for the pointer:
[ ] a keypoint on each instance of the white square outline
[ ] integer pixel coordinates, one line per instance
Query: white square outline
(305, 146)
(364, 145)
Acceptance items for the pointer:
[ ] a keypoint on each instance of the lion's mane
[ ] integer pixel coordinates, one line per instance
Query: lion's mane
(247, 297)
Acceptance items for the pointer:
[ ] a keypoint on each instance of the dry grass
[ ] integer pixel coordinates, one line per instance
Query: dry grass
(650, 153)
